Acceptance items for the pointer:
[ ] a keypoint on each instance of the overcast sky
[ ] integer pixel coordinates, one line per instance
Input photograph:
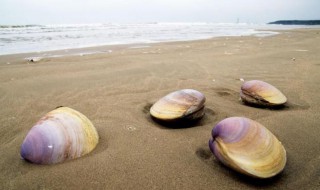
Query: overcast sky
(104, 11)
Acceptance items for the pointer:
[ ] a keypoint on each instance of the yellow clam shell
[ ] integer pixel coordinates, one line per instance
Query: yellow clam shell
(182, 104)
(261, 93)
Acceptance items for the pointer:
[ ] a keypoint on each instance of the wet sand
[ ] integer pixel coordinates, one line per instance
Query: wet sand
(116, 88)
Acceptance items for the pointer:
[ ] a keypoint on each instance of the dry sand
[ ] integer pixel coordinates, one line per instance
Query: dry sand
(116, 89)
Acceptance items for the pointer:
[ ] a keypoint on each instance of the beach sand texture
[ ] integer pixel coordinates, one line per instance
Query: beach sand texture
(115, 90)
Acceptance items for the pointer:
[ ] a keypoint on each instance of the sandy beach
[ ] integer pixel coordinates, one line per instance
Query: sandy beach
(116, 87)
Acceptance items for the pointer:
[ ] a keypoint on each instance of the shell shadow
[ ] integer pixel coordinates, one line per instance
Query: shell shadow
(179, 123)
(286, 106)
(205, 154)
(277, 107)
(251, 181)
(297, 106)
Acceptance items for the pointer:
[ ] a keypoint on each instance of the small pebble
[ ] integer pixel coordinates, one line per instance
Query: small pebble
(130, 128)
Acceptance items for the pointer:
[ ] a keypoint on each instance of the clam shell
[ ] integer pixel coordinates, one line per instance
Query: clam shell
(182, 104)
(60, 135)
(247, 147)
(261, 93)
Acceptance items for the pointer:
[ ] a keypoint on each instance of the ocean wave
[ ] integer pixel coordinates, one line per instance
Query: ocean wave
(32, 38)
(20, 26)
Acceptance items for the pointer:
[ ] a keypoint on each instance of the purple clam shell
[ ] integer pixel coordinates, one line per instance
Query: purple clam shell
(261, 93)
(41, 143)
(247, 147)
(60, 135)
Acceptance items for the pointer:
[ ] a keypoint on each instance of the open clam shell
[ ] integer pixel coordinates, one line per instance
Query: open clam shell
(182, 104)
(261, 93)
(60, 135)
(247, 147)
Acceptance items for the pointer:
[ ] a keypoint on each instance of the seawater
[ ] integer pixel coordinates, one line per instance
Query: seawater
(38, 38)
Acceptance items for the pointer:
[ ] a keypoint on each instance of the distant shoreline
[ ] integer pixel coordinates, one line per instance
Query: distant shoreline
(296, 22)
(35, 38)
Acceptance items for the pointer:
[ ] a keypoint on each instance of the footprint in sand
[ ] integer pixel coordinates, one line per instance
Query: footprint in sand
(225, 92)
(203, 154)
(146, 108)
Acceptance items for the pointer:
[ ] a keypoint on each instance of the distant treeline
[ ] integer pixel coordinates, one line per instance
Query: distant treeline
(296, 22)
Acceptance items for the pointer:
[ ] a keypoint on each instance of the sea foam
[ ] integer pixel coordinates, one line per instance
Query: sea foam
(36, 38)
